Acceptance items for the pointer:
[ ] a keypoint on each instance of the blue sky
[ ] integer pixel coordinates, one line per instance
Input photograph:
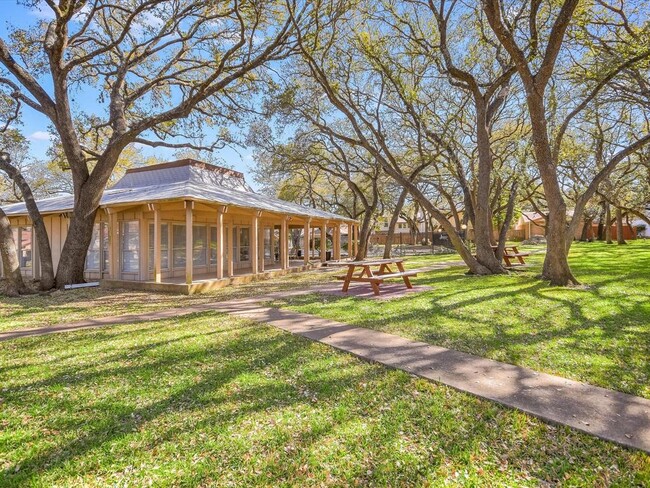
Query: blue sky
(35, 126)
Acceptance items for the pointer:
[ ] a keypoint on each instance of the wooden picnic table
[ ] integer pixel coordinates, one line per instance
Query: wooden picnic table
(374, 272)
(510, 253)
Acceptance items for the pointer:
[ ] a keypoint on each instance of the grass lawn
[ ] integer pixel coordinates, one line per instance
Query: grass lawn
(599, 333)
(73, 305)
(215, 400)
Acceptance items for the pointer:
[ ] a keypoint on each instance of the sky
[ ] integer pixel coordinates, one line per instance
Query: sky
(35, 125)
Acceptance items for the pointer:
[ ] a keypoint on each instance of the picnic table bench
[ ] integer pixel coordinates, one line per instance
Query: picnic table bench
(375, 272)
(510, 253)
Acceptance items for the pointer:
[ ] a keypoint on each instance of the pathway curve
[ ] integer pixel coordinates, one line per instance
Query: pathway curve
(608, 414)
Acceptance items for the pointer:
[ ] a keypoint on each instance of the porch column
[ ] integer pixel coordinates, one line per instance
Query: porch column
(260, 246)
(350, 240)
(284, 244)
(323, 242)
(220, 211)
(189, 242)
(113, 244)
(157, 240)
(356, 239)
(337, 241)
(254, 242)
(306, 243)
(231, 251)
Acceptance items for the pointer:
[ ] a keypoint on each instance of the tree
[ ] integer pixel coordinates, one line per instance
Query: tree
(335, 60)
(161, 71)
(484, 75)
(320, 164)
(535, 64)
(44, 251)
(9, 256)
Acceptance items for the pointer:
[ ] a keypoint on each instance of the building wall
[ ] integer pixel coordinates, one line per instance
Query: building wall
(379, 238)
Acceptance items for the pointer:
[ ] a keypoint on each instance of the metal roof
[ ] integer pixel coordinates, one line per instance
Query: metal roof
(192, 180)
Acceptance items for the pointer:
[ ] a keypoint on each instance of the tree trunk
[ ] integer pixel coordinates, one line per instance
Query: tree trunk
(73, 255)
(620, 239)
(10, 263)
(390, 235)
(601, 226)
(510, 211)
(482, 229)
(427, 227)
(364, 234)
(608, 224)
(44, 250)
(556, 264)
(584, 234)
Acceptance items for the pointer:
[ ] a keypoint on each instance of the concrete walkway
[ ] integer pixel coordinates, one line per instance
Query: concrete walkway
(608, 414)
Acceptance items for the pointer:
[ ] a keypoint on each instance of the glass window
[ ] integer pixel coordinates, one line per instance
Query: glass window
(213, 246)
(25, 247)
(226, 233)
(235, 243)
(267, 243)
(164, 246)
(244, 244)
(131, 246)
(92, 256)
(276, 244)
(178, 242)
(104, 232)
(199, 245)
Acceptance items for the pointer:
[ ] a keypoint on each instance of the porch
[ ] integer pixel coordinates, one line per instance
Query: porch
(213, 246)
(205, 282)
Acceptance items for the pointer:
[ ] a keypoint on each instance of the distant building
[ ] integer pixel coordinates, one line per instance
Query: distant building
(532, 224)
(404, 233)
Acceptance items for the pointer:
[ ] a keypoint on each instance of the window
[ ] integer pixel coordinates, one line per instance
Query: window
(235, 243)
(199, 245)
(276, 244)
(104, 233)
(213, 246)
(164, 246)
(93, 254)
(130, 246)
(178, 242)
(267, 243)
(244, 244)
(23, 239)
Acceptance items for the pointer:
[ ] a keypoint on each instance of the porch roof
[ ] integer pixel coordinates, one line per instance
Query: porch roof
(192, 186)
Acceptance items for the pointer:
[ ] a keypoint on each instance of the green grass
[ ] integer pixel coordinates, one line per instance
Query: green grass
(73, 305)
(213, 400)
(598, 333)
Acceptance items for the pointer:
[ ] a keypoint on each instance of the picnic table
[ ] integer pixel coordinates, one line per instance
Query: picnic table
(510, 253)
(374, 272)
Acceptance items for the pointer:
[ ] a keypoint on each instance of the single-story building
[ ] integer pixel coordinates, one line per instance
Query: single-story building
(531, 224)
(141, 238)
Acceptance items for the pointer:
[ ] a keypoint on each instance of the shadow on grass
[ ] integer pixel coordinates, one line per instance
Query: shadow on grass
(599, 334)
(208, 399)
